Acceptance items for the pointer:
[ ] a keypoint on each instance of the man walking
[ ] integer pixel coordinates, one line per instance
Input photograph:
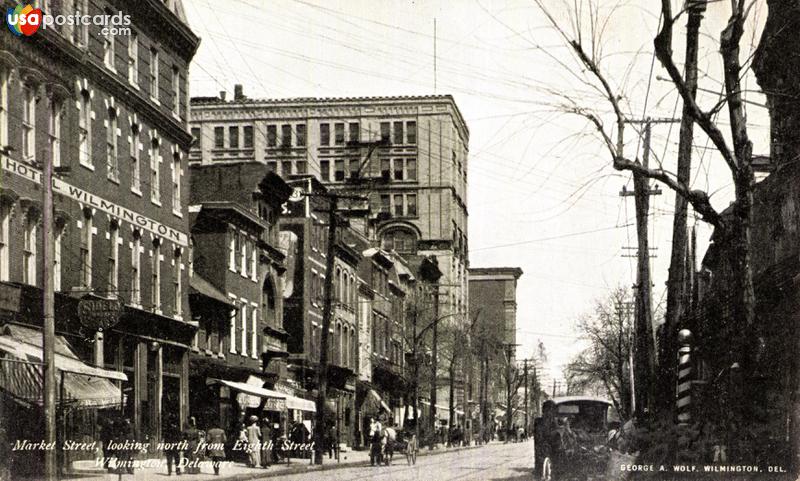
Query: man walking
(216, 440)
(172, 436)
(266, 441)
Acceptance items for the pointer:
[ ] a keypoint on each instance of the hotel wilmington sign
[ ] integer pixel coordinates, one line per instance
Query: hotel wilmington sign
(87, 198)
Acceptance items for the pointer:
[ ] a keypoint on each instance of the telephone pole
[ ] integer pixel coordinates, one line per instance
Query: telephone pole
(525, 363)
(48, 331)
(322, 373)
(677, 295)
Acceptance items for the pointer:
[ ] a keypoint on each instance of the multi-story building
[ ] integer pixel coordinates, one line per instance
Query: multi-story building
(235, 210)
(305, 223)
(109, 112)
(408, 154)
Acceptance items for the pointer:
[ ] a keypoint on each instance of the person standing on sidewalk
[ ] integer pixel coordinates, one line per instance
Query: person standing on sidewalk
(266, 440)
(216, 440)
(172, 436)
(254, 442)
(192, 436)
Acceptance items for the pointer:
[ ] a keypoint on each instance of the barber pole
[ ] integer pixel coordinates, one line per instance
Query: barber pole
(684, 392)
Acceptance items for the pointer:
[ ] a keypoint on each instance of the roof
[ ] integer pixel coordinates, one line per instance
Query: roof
(566, 399)
(477, 272)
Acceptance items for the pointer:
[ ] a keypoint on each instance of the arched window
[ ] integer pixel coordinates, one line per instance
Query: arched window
(401, 240)
(268, 302)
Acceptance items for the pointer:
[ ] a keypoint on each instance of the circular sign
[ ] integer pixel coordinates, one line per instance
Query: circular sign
(99, 314)
(297, 195)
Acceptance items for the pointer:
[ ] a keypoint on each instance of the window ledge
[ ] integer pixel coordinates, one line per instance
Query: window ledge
(136, 191)
(113, 179)
(155, 202)
(177, 214)
(87, 166)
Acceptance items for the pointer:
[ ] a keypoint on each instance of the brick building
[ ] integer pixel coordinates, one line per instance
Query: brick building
(110, 113)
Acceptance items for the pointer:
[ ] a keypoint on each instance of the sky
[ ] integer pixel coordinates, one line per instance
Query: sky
(542, 194)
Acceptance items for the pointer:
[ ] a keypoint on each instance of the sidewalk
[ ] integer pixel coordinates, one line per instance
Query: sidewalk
(157, 469)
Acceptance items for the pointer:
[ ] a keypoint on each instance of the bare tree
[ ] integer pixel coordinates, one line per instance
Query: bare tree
(605, 365)
(735, 225)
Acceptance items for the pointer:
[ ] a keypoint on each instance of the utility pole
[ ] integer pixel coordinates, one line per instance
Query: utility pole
(510, 387)
(677, 295)
(645, 358)
(49, 330)
(434, 363)
(525, 362)
(322, 373)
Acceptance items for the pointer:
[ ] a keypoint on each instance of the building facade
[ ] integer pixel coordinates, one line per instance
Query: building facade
(409, 155)
(234, 210)
(110, 113)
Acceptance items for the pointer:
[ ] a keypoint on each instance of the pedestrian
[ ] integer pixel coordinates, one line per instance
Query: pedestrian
(266, 443)
(375, 429)
(106, 437)
(389, 438)
(330, 440)
(172, 437)
(216, 440)
(192, 436)
(125, 456)
(254, 442)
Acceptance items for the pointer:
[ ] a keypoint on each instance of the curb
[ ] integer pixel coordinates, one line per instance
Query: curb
(311, 468)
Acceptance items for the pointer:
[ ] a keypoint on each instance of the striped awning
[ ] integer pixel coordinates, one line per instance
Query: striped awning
(293, 402)
(79, 384)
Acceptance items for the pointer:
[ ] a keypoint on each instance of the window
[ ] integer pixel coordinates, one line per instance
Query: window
(58, 237)
(398, 133)
(400, 240)
(338, 134)
(133, 59)
(301, 167)
(286, 136)
(286, 168)
(254, 333)
(136, 183)
(397, 200)
(109, 48)
(111, 145)
(254, 262)
(243, 329)
(177, 284)
(272, 135)
(243, 243)
(411, 204)
(385, 203)
(411, 169)
(85, 130)
(54, 133)
(386, 169)
(248, 136)
(233, 137)
(338, 168)
(136, 268)
(155, 280)
(155, 159)
(300, 131)
(85, 257)
(398, 169)
(354, 132)
(29, 123)
(385, 131)
(197, 142)
(233, 246)
(176, 91)
(3, 107)
(232, 341)
(29, 248)
(219, 137)
(5, 225)
(324, 135)
(176, 182)
(112, 274)
(80, 32)
(325, 170)
(272, 166)
(154, 74)
(355, 167)
(411, 132)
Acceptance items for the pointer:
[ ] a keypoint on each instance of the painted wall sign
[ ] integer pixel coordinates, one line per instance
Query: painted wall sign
(89, 199)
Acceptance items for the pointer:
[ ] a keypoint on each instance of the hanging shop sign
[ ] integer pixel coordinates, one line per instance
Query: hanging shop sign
(9, 297)
(99, 314)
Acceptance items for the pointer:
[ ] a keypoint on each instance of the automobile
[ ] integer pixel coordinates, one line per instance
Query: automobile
(570, 438)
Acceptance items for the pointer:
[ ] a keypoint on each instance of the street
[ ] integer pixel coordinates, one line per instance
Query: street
(495, 462)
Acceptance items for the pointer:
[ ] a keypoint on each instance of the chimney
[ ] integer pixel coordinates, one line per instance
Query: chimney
(238, 92)
(222, 95)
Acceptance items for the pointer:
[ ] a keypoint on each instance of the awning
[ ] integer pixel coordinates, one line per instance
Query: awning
(378, 397)
(198, 285)
(443, 409)
(248, 388)
(83, 385)
(293, 402)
